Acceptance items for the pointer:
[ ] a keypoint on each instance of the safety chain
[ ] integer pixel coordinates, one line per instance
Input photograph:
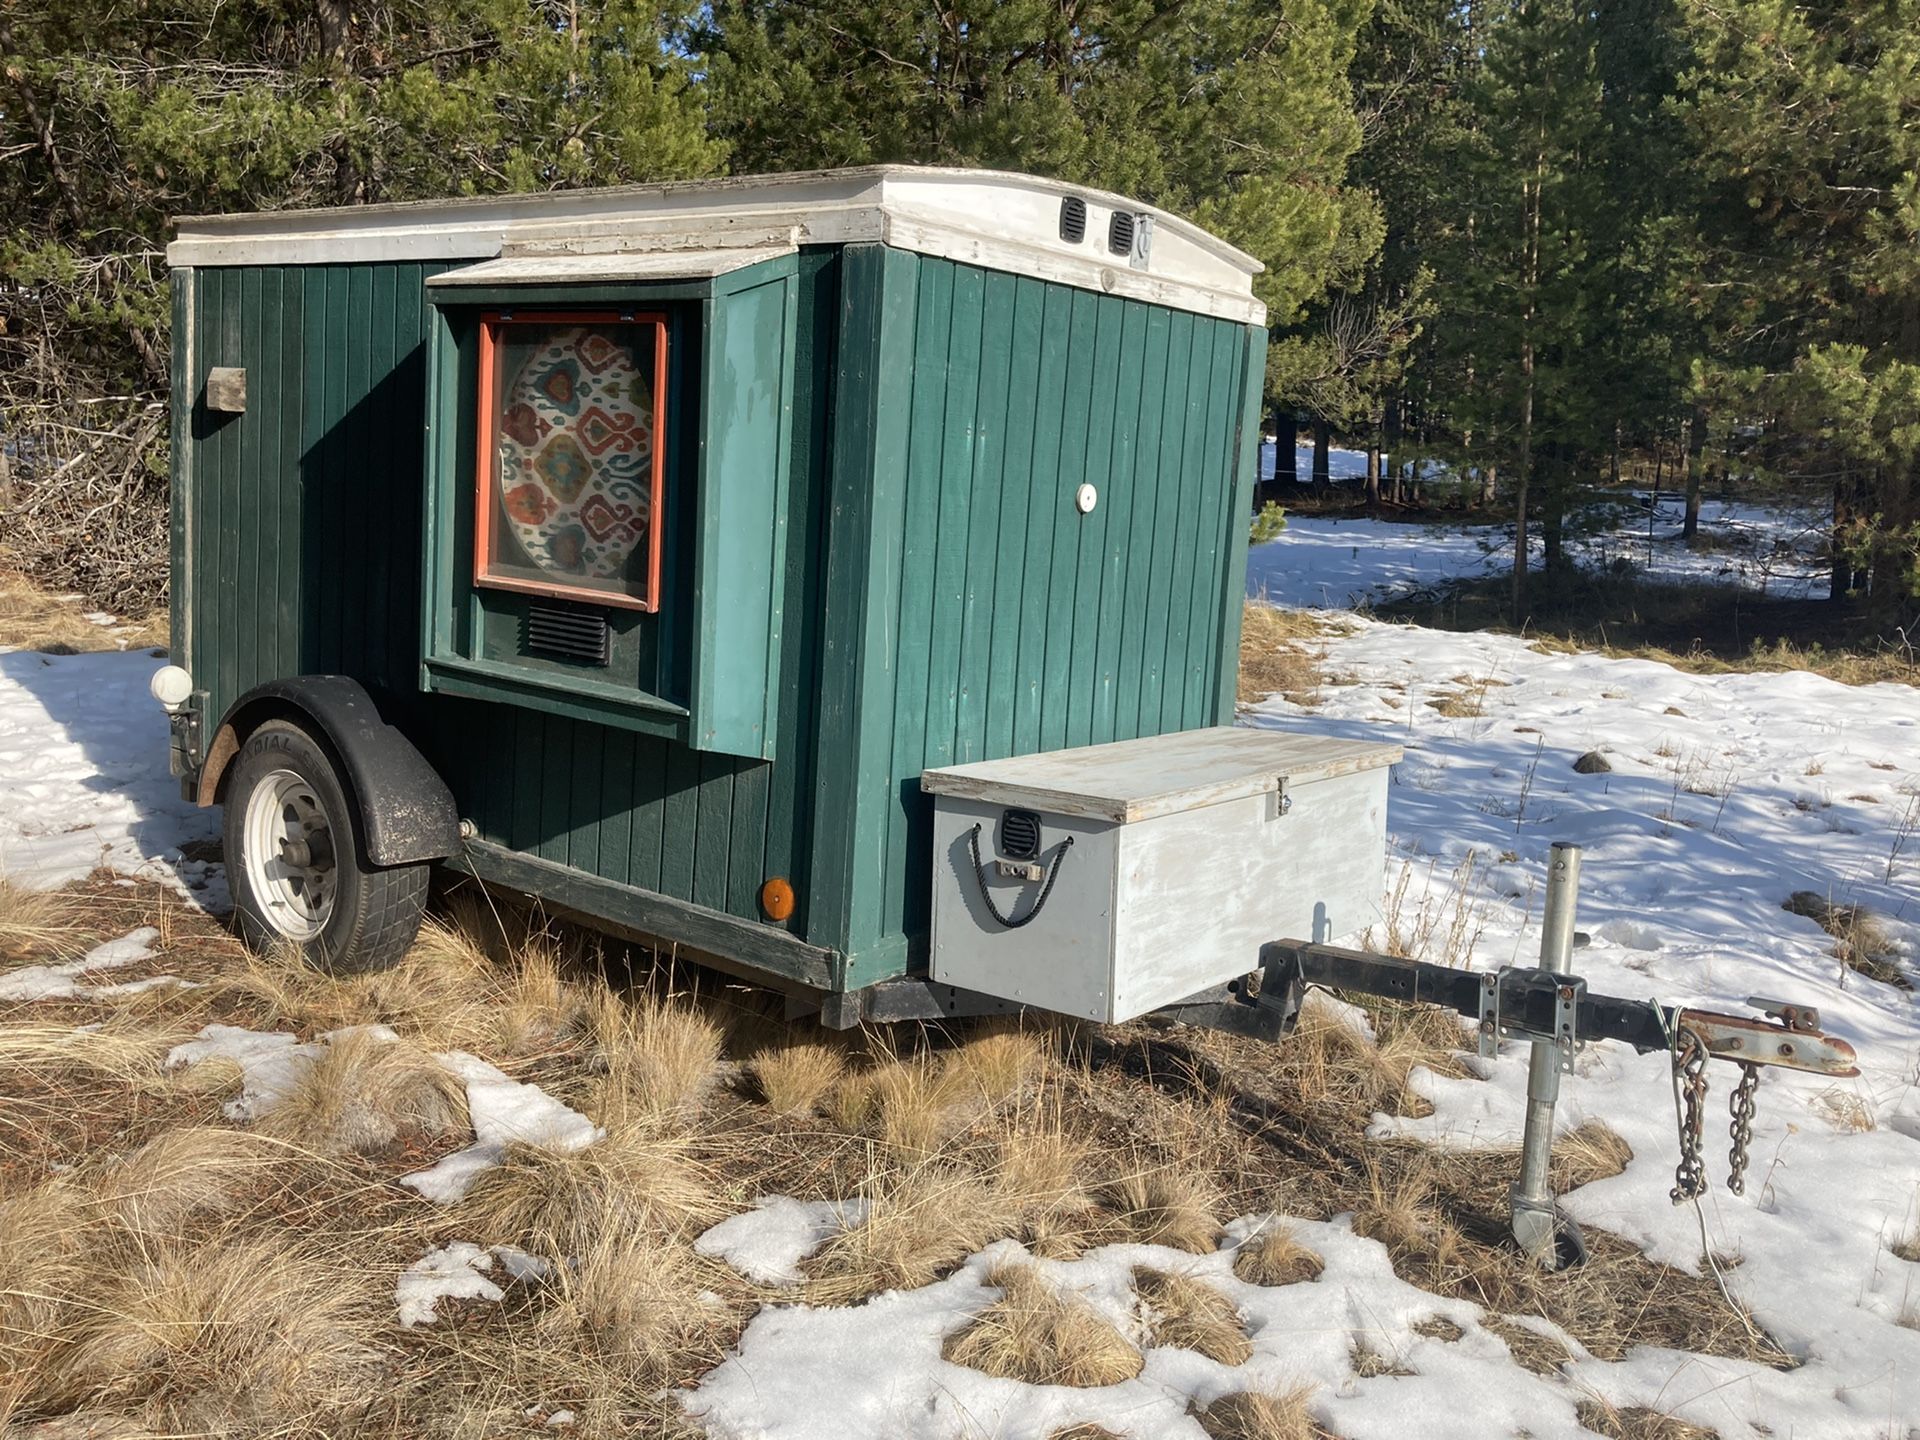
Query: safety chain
(1690, 1071)
(1742, 1105)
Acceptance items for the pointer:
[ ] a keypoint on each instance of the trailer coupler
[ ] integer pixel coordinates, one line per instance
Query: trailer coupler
(1552, 1009)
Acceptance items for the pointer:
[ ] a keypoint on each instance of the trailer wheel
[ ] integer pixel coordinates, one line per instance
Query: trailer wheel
(298, 867)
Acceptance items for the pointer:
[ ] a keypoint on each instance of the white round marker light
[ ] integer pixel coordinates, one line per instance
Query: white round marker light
(1086, 497)
(171, 686)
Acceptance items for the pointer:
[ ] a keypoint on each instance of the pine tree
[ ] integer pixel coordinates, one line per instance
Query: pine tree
(1804, 116)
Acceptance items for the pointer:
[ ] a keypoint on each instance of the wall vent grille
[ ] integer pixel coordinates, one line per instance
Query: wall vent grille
(1073, 219)
(569, 634)
(1019, 834)
(1120, 232)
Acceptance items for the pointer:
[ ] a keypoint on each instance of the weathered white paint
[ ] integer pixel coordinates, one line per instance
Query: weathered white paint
(678, 263)
(1166, 891)
(1130, 780)
(983, 217)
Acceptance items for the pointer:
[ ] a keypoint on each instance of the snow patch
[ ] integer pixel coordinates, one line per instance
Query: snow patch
(504, 1111)
(63, 982)
(768, 1242)
(455, 1271)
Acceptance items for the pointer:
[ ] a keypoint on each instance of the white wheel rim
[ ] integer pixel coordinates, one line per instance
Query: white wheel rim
(290, 861)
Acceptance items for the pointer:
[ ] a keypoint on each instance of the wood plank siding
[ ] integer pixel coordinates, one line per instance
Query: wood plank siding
(941, 599)
(973, 611)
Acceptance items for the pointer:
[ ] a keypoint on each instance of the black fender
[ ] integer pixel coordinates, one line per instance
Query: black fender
(407, 814)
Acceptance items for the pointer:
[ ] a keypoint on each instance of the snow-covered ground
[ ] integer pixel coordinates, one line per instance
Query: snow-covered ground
(1337, 563)
(1726, 793)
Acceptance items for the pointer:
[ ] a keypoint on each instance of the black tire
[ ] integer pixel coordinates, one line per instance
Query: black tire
(317, 889)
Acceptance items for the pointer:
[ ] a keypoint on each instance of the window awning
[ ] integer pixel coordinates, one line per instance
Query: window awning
(613, 267)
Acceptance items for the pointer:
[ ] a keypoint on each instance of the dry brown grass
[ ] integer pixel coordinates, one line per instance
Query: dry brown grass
(917, 1102)
(37, 925)
(1190, 1314)
(1330, 1058)
(364, 1092)
(1163, 1206)
(658, 1056)
(1035, 1333)
(180, 1174)
(1277, 656)
(557, 1204)
(1907, 1247)
(1438, 1327)
(921, 1223)
(796, 1077)
(998, 1061)
(1592, 1150)
(635, 1305)
(33, 619)
(1275, 1257)
(1861, 941)
(1636, 1422)
(238, 1327)
(1250, 1415)
(1086, 1431)
(1531, 1349)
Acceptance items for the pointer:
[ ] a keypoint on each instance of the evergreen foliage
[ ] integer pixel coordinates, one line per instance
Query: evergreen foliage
(1523, 237)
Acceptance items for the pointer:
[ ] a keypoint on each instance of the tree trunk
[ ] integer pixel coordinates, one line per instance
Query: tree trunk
(1696, 453)
(1532, 194)
(1489, 482)
(1373, 477)
(1286, 441)
(1842, 561)
(1322, 466)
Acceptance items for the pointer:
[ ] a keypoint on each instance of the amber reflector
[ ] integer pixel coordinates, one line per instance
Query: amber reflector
(776, 898)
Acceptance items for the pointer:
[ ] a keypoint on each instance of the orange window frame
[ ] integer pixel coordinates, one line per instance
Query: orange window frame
(492, 326)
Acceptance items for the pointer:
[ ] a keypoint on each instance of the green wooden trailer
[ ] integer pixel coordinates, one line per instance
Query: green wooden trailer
(639, 549)
(837, 576)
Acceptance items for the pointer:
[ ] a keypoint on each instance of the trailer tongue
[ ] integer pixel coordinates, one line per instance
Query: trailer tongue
(1554, 1011)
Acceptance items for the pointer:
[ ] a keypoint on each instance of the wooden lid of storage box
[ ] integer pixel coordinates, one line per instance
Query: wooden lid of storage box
(1132, 780)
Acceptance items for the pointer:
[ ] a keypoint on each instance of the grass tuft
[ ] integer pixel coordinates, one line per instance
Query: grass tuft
(364, 1092)
(1035, 1334)
(1250, 1415)
(198, 1170)
(659, 1057)
(209, 1333)
(1189, 1314)
(1636, 1422)
(796, 1078)
(1176, 1208)
(921, 1223)
(635, 1305)
(1592, 1150)
(1275, 1257)
(39, 925)
(1860, 939)
(558, 1204)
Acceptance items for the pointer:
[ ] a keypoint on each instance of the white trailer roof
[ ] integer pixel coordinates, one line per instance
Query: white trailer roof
(981, 217)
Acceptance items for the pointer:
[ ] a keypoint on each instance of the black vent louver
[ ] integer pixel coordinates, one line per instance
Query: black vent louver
(1019, 834)
(1120, 233)
(568, 633)
(1073, 219)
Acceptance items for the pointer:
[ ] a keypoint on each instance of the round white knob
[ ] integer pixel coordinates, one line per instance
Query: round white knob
(1086, 497)
(171, 686)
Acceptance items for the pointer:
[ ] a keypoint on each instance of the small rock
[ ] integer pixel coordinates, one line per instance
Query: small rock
(1676, 710)
(1592, 763)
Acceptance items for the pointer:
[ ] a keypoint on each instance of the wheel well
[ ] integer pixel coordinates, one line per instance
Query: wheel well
(403, 811)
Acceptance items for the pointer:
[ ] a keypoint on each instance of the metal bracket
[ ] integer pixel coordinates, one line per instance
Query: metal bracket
(1021, 870)
(1490, 1015)
(1566, 1019)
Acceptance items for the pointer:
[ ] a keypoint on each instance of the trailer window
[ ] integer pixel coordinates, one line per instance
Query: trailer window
(571, 410)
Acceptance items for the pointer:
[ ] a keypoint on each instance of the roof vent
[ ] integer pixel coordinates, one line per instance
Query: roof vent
(1073, 219)
(569, 634)
(1131, 235)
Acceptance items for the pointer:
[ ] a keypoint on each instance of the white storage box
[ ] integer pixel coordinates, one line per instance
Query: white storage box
(1189, 852)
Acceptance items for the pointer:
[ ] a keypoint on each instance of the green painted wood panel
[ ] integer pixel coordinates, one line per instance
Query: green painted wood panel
(938, 595)
(974, 405)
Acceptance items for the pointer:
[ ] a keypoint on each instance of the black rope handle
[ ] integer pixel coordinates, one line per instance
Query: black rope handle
(1053, 874)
